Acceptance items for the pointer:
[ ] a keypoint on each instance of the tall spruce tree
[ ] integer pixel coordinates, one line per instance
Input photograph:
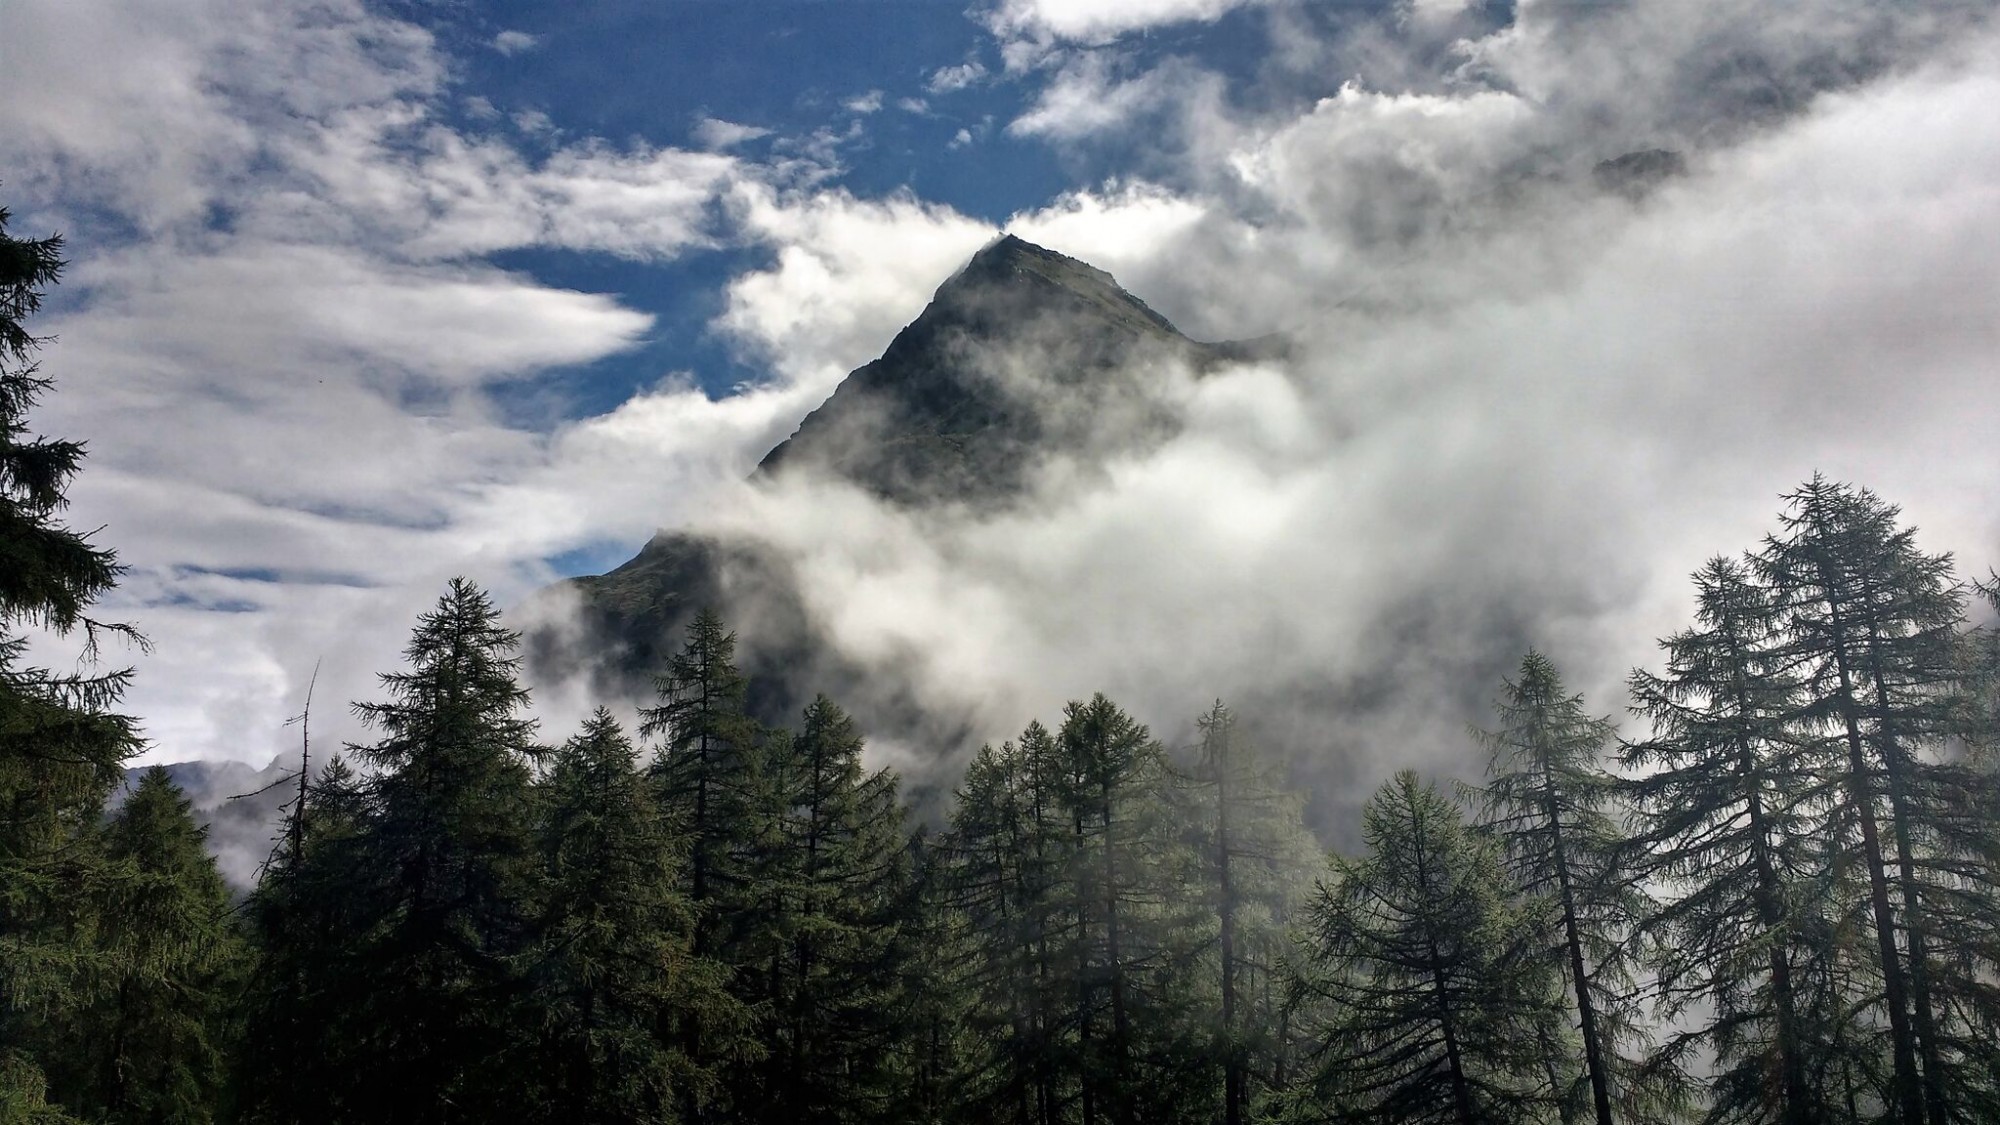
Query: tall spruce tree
(62, 747)
(612, 963)
(1431, 997)
(1873, 624)
(1548, 798)
(150, 1047)
(447, 856)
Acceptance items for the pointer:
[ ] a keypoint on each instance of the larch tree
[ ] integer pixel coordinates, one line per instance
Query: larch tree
(1431, 998)
(1259, 861)
(448, 857)
(308, 921)
(1874, 624)
(1007, 853)
(152, 1045)
(1549, 799)
(839, 874)
(1731, 826)
(612, 965)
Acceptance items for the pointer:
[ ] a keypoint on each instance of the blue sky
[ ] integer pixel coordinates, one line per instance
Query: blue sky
(365, 294)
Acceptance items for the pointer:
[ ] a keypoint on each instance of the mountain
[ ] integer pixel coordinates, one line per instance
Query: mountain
(1023, 358)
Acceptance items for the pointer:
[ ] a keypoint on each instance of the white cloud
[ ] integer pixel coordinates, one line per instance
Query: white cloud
(512, 42)
(1100, 21)
(951, 79)
(870, 102)
(849, 273)
(1090, 96)
(713, 132)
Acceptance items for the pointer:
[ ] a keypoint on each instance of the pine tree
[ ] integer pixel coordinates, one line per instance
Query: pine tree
(150, 1047)
(447, 856)
(612, 963)
(1548, 798)
(1874, 624)
(1438, 1003)
(1733, 822)
(62, 749)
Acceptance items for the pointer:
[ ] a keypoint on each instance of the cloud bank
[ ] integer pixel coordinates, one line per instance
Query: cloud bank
(1521, 409)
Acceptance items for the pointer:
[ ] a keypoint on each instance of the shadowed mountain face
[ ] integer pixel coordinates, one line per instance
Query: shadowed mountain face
(1024, 357)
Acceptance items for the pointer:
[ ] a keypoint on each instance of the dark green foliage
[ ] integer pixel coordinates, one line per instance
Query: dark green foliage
(149, 1045)
(1005, 857)
(1431, 994)
(611, 965)
(704, 774)
(445, 867)
(61, 747)
(309, 918)
(823, 962)
(1548, 799)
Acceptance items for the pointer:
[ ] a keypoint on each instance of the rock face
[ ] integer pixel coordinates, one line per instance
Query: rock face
(1023, 356)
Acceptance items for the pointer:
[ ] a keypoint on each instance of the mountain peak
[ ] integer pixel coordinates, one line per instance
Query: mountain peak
(1012, 267)
(1024, 352)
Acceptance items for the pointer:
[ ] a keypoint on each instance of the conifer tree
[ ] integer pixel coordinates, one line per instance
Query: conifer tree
(1438, 1002)
(612, 963)
(1547, 797)
(62, 748)
(1259, 859)
(1144, 1046)
(151, 1045)
(704, 772)
(706, 779)
(447, 863)
(1009, 851)
(1873, 624)
(835, 884)
(309, 921)
(1732, 823)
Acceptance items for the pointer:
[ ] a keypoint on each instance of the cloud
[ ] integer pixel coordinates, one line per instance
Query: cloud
(870, 102)
(1520, 411)
(849, 273)
(1100, 21)
(951, 79)
(1090, 96)
(716, 133)
(511, 43)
